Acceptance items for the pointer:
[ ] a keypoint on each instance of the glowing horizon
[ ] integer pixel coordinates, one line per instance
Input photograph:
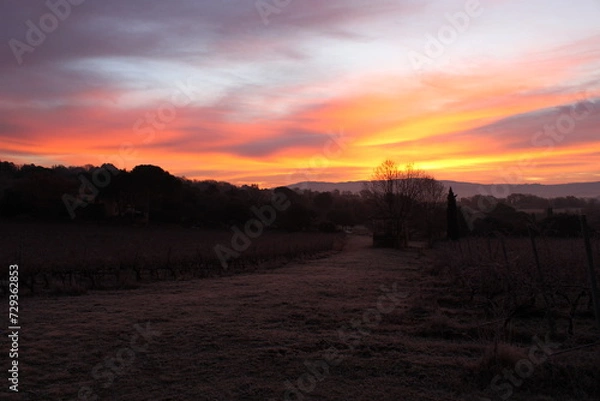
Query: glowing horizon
(215, 90)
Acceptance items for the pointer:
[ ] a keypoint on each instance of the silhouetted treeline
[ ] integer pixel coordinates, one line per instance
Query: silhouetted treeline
(518, 213)
(533, 202)
(149, 194)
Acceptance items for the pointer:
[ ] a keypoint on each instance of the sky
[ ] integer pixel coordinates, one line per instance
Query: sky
(275, 92)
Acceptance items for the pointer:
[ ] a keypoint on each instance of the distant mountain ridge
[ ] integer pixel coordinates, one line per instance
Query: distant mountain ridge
(468, 189)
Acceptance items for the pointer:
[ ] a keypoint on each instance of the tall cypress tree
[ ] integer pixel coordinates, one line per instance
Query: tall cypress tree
(452, 216)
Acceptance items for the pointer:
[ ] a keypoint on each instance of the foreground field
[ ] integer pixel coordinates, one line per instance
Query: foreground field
(364, 324)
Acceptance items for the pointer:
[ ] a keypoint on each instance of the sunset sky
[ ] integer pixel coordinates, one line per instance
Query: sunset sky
(275, 92)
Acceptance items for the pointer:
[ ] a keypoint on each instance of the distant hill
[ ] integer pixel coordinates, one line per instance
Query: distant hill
(467, 189)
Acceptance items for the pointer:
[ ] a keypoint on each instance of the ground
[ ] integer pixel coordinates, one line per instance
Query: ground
(271, 335)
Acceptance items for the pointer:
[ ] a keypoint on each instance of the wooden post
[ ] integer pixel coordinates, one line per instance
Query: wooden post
(591, 270)
(504, 252)
(506, 263)
(549, 309)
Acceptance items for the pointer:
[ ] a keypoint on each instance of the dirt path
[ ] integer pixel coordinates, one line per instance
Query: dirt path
(245, 337)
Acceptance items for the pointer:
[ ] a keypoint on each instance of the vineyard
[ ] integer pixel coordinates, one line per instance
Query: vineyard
(514, 278)
(71, 259)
